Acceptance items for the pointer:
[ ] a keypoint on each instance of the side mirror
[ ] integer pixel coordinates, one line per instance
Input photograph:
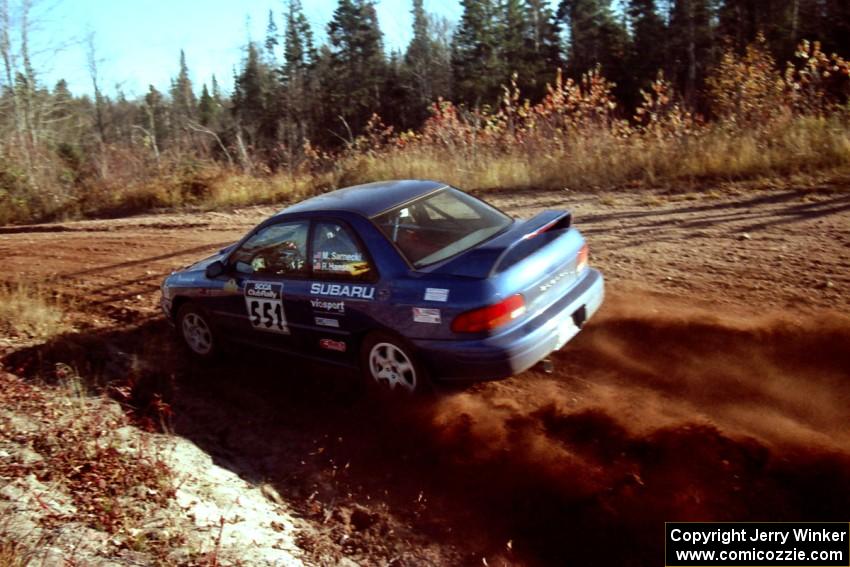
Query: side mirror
(215, 269)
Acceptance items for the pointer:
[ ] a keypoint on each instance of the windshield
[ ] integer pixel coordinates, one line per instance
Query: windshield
(440, 225)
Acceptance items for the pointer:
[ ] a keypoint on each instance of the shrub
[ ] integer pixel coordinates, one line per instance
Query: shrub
(28, 312)
(747, 89)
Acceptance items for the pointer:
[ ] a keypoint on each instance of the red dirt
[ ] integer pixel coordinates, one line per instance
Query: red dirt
(713, 385)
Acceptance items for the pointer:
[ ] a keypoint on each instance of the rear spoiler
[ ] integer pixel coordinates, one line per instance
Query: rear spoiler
(492, 256)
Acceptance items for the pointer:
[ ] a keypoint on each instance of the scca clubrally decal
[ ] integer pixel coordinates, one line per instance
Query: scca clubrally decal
(264, 301)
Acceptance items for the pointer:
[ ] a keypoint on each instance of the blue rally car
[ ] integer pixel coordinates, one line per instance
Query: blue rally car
(411, 280)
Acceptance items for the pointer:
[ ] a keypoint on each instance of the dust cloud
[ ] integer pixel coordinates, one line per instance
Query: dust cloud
(656, 413)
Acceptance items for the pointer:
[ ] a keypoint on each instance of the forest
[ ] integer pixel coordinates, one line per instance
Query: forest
(517, 94)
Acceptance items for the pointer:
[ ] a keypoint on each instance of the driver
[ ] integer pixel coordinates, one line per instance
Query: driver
(289, 259)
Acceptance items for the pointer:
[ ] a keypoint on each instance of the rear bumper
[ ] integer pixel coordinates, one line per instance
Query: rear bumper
(520, 348)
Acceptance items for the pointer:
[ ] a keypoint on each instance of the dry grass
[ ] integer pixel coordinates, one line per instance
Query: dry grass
(14, 553)
(603, 160)
(585, 159)
(29, 312)
(212, 187)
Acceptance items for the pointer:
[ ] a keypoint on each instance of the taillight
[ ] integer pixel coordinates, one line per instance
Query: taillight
(489, 317)
(582, 260)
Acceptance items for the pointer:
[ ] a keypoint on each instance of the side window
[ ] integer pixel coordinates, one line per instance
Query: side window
(337, 255)
(277, 250)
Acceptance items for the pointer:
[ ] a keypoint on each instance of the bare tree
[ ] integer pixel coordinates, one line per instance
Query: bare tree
(91, 60)
(150, 137)
(28, 82)
(9, 65)
(204, 130)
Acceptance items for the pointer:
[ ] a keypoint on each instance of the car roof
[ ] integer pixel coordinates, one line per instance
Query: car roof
(368, 199)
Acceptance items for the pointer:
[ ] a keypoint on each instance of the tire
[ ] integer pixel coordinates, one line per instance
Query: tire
(389, 364)
(197, 332)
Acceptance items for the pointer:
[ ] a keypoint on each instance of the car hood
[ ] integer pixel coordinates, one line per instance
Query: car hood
(201, 265)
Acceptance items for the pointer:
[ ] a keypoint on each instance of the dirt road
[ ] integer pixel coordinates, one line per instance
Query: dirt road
(714, 385)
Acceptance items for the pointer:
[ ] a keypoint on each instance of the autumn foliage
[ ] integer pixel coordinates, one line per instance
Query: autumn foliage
(744, 90)
(762, 121)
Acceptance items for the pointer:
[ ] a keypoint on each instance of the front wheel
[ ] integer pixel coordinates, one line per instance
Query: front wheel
(390, 364)
(196, 331)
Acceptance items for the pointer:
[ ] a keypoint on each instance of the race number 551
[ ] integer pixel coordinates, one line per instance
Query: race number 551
(264, 301)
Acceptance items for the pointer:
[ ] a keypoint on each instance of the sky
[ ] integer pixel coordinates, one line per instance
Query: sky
(138, 43)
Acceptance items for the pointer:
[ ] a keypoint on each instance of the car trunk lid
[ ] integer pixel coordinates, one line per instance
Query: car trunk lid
(537, 258)
(521, 241)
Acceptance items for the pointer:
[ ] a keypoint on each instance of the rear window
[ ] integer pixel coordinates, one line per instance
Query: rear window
(440, 225)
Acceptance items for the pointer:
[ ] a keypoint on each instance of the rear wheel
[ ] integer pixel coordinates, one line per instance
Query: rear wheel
(196, 330)
(390, 364)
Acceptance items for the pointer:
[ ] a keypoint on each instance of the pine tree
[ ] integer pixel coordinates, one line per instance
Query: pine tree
(326, 122)
(397, 107)
(692, 44)
(358, 64)
(216, 91)
(271, 38)
(62, 111)
(477, 72)
(297, 78)
(514, 34)
(426, 70)
(597, 38)
(154, 121)
(299, 54)
(252, 96)
(183, 101)
(419, 50)
(61, 93)
(418, 58)
(649, 40)
(530, 44)
(206, 107)
(741, 21)
(123, 113)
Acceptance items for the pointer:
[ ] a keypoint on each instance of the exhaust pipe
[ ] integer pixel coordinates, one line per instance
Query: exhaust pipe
(546, 366)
